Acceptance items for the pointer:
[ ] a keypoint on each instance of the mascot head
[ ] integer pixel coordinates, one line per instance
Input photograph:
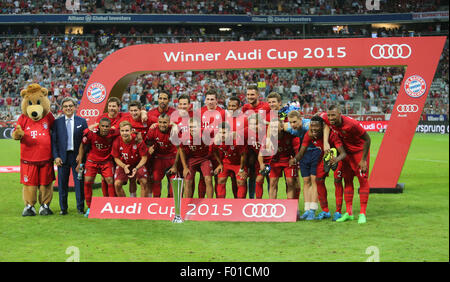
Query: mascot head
(35, 102)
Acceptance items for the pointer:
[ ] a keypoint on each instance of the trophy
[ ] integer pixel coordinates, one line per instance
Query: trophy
(177, 186)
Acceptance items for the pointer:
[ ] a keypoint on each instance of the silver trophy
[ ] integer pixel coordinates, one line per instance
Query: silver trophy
(177, 186)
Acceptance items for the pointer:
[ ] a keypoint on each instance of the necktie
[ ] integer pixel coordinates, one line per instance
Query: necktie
(69, 134)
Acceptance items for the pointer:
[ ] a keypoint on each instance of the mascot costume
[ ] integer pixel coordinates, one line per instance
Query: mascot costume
(36, 163)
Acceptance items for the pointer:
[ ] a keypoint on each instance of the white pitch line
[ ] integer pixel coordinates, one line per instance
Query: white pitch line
(433, 161)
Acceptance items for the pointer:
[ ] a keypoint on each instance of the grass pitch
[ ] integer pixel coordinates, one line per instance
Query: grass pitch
(413, 226)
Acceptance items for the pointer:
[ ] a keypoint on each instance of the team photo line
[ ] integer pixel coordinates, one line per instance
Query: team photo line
(246, 143)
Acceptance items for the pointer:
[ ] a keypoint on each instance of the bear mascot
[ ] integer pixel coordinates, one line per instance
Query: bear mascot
(36, 162)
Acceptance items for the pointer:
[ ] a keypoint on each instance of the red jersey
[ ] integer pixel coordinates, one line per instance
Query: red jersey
(258, 109)
(252, 140)
(114, 121)
(129, 153)
(236, 120)
(154, 114)
(211, 119)
(195, 151)
(100, 146)
(350, 132)
(163, 146)
(137, 125)
(35, 145)
(285, 148)
(230, 154)
(333, 139)
(181, 121)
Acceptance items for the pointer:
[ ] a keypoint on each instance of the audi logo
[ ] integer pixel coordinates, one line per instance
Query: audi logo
(264, 210)
(89, 112)
(390, 51)
(407, 108)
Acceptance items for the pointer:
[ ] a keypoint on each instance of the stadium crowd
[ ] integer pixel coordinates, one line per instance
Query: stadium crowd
(63, 64)
(285, 7)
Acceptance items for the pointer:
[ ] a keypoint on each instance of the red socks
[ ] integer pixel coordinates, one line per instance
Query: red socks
(259, 190)
(322, 193)
(339, 194)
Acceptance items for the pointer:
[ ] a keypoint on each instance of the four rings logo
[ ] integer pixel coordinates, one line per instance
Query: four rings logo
(264, 210)
(89, 112)
(413, 108)
(390, 51)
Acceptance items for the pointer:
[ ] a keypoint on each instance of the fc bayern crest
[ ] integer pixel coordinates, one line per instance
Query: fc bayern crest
(96, 92)
(415, 86)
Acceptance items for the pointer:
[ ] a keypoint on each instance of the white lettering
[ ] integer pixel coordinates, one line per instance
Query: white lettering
(107, 208)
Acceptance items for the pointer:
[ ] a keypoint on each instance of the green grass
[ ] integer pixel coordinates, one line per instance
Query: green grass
(412, 226)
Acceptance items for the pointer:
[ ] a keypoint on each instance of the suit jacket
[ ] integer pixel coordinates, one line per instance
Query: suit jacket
(59, 136)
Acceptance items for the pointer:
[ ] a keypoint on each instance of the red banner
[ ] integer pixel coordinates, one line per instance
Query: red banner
(195, 209)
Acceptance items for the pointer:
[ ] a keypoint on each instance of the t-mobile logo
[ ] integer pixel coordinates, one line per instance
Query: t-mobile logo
(73, 5)
(373, 5)
(33, 134)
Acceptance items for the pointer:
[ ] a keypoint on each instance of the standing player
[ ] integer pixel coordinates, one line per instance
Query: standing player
(194, 156)
(314, 137)
(357, 145)
(130, 157)
(211, 117)
(233, 157)
(274, 101)
(238, 123)
(298, 126)
(163, 154)
(254, 106)
(98, 159)
(256, 128)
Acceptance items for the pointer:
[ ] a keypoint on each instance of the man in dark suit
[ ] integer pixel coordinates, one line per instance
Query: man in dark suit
(67, 133)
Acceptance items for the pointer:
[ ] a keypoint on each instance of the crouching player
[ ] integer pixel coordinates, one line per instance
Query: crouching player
(233, 157)
(280, 159)
(130, 157)
(194, 156)
(315, 137)
(98, 159)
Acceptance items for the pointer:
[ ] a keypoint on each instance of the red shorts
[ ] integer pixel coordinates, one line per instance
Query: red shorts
(120, 174)
(160, 166)
(276, 170)
(353, 160)
(36, 174)
(320, 172)
(202, 165)
(106, 169)
(231, 170)
(339, 170)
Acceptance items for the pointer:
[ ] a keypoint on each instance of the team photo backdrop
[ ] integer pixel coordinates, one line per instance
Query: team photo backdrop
(420, 56)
